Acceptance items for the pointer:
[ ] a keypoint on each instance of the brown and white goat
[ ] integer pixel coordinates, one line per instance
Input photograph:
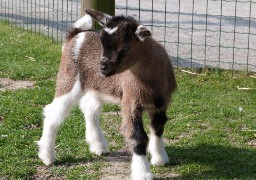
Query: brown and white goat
(122, 64)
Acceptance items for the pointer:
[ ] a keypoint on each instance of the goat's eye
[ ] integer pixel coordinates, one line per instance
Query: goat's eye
(127, 48)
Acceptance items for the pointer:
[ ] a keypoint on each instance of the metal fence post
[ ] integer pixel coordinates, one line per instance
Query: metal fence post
(106, 6)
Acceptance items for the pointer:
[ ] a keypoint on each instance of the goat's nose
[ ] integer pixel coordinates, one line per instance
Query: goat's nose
(103, 66)
(104, 63)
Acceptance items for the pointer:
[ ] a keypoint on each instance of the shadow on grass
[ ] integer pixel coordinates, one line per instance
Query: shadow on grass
(70, 161)
(113, 156)
(217, 161)
(224, 162)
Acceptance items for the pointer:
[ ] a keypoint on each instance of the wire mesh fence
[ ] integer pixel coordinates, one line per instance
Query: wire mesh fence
(48, 17)
(201, 33)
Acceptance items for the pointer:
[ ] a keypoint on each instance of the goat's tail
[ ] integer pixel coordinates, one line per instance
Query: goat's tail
(82, 24)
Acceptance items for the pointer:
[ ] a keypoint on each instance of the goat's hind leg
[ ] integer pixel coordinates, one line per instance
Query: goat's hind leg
(91, 107)
(54, 114)
(156, 142)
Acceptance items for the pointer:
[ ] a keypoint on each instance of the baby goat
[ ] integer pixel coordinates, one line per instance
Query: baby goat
(122, 64)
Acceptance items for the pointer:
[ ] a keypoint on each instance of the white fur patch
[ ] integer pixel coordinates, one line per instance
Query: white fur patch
(157, 150)
(63, 47)
(106, 18)
(138, 31)
(140, 168)
(55, 113)
(138, 28)
(84, 23)
(110, 30)
(104, 98)
(91, 107)
(109, 99)
(78, 44)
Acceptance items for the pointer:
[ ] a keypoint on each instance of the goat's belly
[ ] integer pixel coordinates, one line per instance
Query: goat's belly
(104, 98)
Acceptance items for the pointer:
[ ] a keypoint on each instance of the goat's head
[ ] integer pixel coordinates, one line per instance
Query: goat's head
(119, 38)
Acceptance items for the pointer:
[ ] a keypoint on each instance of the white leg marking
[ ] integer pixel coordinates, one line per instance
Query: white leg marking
(91, 107)
(55, 114)
(157, 150)
(141, 168)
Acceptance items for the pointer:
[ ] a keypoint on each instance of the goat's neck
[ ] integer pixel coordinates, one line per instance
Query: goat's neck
(143, 70)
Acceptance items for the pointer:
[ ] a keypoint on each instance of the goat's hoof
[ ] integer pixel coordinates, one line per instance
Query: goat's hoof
(159, 161)
(99, 149)
(140, 168)
(47, 156)
(139, 176)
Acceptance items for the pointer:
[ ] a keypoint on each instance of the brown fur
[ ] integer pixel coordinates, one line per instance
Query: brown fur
(122, 64)
(67, 70)
(152, 75)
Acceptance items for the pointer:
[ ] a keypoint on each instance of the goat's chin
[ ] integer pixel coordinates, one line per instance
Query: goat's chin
(107, 73)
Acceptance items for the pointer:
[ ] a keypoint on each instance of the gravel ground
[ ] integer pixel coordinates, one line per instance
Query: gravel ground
(195, 34)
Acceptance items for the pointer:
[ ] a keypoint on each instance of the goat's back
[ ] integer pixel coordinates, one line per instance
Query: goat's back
(80, 58)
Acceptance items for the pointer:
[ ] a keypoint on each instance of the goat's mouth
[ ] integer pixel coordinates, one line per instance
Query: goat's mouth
(107, 68)
(107, 72)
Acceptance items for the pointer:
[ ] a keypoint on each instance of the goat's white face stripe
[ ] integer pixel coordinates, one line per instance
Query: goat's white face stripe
(110, 30)
(78, 44)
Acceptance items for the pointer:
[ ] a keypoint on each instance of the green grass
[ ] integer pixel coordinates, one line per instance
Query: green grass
(207, 136)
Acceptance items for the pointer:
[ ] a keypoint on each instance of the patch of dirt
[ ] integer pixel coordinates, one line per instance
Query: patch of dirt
(7, 84)
(43, 174)
(1, 119)
(117, 162)
(167, 176)
(117, 166)
(32, 126)
(3, 178)
(252, 143)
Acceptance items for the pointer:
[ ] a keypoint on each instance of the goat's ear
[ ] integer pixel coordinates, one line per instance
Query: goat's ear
(100, 17)
(142, 32)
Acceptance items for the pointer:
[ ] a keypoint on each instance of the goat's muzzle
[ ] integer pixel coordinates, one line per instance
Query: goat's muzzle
(106, 67)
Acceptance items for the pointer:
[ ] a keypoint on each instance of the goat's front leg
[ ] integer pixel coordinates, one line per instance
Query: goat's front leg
(133, 130)
(156, 142)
